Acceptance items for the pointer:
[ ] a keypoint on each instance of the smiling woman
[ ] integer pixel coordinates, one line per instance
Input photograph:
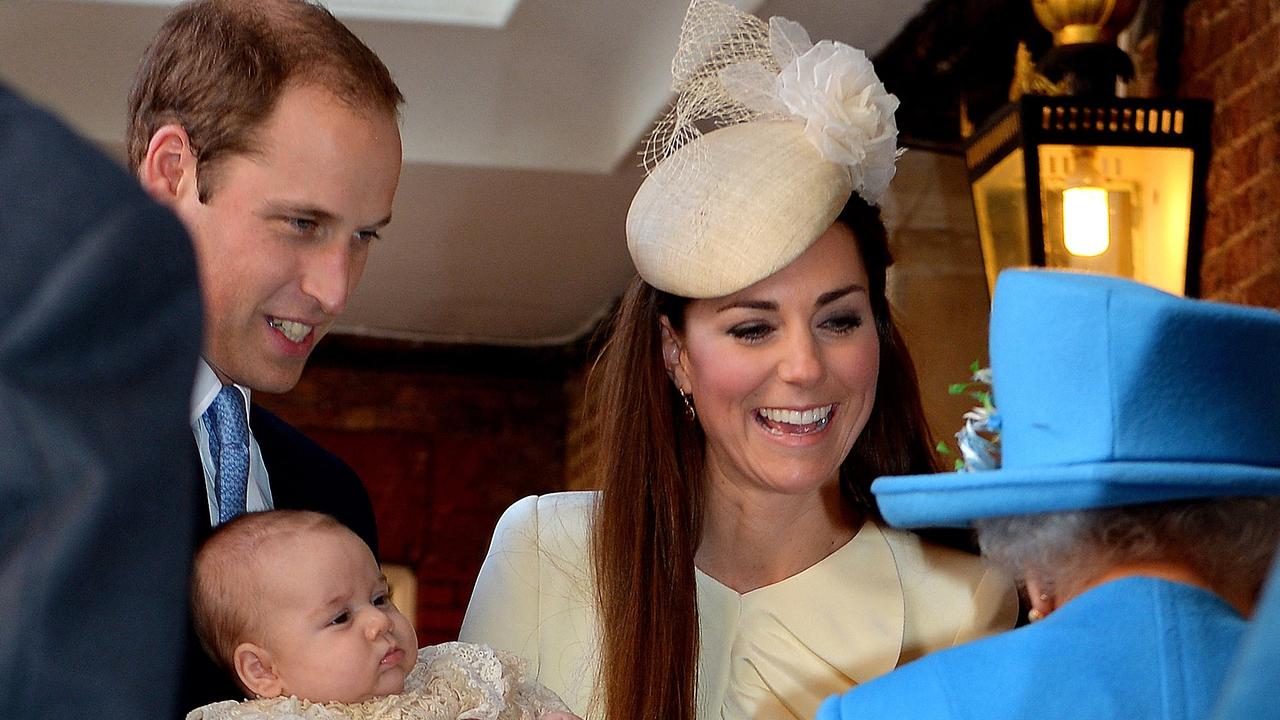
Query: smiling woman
(734, 563)
(783, 374)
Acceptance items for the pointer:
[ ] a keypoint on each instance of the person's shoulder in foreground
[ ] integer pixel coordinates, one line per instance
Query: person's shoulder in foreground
(95, 343)
(46, 167)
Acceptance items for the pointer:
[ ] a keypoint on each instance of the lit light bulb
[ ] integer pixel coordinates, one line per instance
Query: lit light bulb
(1086, 226)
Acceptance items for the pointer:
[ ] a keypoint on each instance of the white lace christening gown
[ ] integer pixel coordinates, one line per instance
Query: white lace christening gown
(451, 681)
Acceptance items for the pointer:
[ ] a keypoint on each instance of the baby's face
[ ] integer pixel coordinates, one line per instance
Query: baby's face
(328, 623)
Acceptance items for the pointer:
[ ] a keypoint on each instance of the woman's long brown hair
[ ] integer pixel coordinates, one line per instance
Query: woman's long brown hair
(649, 517)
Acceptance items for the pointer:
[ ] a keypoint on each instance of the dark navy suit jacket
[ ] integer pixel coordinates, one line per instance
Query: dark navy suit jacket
(99, 337)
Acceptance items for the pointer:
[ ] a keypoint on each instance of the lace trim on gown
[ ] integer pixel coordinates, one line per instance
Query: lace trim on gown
(451, 681)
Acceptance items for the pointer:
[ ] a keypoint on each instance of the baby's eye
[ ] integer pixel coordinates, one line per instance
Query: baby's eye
(381, 600)
(341, 618)
(750, 331)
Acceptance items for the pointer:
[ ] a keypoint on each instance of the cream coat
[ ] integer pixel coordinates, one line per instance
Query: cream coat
(883, 599)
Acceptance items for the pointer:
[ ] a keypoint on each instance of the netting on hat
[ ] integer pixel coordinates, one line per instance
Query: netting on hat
(731, 67)
(714, 36)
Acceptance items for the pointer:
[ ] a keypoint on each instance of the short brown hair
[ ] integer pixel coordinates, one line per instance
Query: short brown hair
(224, 586)
(217, 68)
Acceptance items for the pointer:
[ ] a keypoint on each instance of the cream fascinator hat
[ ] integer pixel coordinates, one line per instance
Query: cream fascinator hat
(799, 127)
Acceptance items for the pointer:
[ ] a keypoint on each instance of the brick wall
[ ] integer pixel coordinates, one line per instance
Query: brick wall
(1229, 55)
(445, 438)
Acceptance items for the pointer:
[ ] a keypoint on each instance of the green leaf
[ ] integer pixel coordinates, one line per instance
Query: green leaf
(974, 366)
(959, 464)
(957, 388)
(942, 448)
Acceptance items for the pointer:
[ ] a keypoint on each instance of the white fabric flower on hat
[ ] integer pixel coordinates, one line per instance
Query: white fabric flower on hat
(833, 87)
(848, 114)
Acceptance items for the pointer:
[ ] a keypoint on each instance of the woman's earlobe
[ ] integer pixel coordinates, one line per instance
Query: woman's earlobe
(1040, 597)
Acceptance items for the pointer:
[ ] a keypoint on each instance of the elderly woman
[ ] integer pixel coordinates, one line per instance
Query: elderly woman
(1135, 501)
(733, 563)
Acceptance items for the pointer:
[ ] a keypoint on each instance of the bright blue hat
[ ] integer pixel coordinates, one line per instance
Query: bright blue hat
(1111, 393)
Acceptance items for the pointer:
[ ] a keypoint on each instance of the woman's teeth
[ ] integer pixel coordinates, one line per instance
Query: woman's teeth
(295, 331)
(780, 421)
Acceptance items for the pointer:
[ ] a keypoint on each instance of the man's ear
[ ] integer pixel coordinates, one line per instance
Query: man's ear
(168, 170)
(256, 671)
(673, 355)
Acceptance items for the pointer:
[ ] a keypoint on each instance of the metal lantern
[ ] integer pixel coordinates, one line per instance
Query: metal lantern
(1086, 180)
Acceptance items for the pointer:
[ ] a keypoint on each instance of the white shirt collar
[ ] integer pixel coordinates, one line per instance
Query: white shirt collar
(206, 387)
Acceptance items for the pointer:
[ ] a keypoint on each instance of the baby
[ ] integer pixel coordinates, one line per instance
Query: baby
(293, 605)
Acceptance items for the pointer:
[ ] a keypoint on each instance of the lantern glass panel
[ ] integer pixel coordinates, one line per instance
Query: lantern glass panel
(1000, 202)
(1148, 192)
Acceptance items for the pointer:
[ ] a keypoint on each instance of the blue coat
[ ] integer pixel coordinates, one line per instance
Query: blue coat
(1251, 691)
(1133, 648)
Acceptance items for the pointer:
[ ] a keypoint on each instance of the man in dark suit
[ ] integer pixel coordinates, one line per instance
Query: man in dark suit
(271, 131)
(97, 350)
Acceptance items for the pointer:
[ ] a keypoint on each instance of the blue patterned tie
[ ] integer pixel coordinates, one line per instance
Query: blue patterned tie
(229, 446)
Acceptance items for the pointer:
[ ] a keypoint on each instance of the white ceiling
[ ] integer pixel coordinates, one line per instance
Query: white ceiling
(519, 145)
(476, 13)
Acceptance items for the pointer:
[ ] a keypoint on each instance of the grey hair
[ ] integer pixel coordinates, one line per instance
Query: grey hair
(1228, 541)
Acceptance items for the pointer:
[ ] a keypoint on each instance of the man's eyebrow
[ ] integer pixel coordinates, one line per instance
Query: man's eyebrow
(313, 213)
(304, 211)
